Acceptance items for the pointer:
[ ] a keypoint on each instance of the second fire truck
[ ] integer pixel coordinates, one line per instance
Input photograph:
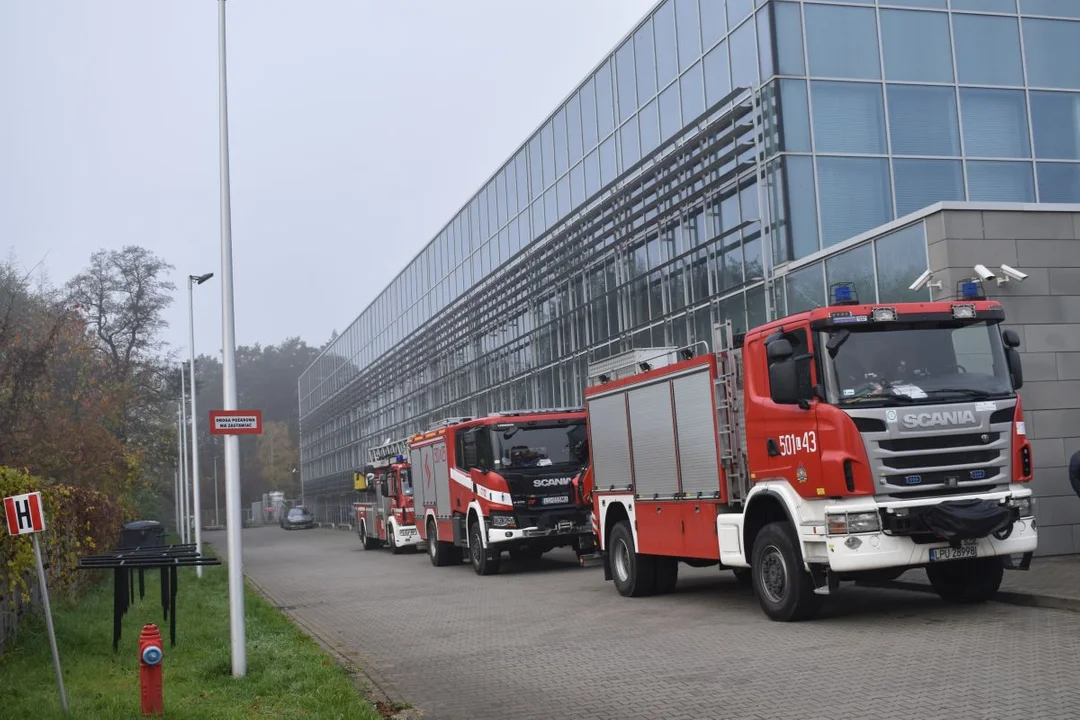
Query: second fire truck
(501, 482)
(384, 515)
(844, 443)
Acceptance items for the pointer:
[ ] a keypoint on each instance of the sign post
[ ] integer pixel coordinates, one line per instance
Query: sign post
(24, 515)
(231, 423)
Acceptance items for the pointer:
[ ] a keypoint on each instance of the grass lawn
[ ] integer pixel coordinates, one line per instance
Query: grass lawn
(288, 674)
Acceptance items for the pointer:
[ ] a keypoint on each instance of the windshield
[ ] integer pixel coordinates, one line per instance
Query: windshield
(297, 512)
(907, 363)
(527, 446)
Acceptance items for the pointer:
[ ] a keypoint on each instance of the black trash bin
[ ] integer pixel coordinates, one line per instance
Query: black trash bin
(142, 533)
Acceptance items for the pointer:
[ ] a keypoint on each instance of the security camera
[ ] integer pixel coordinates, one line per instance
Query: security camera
(983, 272)
(920, 282)
(1013, 273)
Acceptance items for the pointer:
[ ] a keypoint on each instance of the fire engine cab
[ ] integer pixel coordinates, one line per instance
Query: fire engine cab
(384, 514)
(850, 442)
(501, 482)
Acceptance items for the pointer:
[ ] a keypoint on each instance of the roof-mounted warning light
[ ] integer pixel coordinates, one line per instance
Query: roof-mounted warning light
(844, 294)
(970, 289)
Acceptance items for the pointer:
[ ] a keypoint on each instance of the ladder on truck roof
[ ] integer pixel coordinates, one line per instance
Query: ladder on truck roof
(447, 422)
(729, 411)
(384, 454)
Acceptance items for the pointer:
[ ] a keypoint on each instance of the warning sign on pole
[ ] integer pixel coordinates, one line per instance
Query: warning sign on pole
(236, 422)
(24, 515)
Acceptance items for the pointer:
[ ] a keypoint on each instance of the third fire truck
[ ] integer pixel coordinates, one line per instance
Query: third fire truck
(847, 442)
(384, 515)
(501, 482)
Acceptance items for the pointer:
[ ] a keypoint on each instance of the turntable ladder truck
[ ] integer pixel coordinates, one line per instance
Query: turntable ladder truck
(850, 442)
(384, 514)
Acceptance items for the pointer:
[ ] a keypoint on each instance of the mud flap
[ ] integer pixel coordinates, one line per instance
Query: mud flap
(968, 519)
(1025, 562)
(824, 581)
(606, 559)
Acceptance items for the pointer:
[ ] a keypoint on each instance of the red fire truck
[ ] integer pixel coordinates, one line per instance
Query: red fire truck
(501, 482)
(384, 515)
(845, 443)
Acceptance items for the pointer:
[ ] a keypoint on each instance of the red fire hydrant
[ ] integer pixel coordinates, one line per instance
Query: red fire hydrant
(150, 657)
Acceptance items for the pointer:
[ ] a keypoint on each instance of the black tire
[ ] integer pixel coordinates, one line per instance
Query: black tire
(634, 574)
(744, 576)
(441, 554)
(484, 560)
(967, 581)
(784, 589)
(667, 574)
(391, 540)
(370, 543)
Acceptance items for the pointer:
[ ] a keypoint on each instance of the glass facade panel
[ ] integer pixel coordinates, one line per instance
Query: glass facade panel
(667, 56)
(645, 63)
(744, 58)
(853, 266)
(995, 123)
(688, 29)
(670, 113)
(1055, 119)
(805, 288)
(848, 117)
(842, 42)
(901, 258)
(789, 44)
(1000, 6)
(626, 82)
(801, 205)
(717, 74)
(988, 50)
(1052, 50)
(605, 101)
(1054, 8)
(997, 181)
(929, 59)
(854, 194)
(924, 182)
(630, 142)
(923, 120)
(795, 129)
(692, 87)
(649, 127)
(713, 23)
(1059, 182)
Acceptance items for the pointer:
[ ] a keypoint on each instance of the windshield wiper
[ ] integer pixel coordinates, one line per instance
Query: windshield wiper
(970, 392)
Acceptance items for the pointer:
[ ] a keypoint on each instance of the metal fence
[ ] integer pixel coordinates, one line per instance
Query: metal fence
(12, 609)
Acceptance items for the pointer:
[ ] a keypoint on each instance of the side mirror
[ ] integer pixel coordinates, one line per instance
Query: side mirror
(1010, 338)
(784, 382)
(779, 350)
(1016, 369)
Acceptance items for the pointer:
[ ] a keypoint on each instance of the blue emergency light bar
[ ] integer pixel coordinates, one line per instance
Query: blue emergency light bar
(971, 290)
(844, 294)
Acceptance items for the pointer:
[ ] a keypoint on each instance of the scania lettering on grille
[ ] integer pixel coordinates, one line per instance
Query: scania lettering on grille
(939, 419)
(549, 482)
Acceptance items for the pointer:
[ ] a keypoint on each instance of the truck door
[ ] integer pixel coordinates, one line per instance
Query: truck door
(792, 449)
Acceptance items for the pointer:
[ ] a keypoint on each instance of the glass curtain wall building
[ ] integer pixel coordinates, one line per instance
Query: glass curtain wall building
(715, 165)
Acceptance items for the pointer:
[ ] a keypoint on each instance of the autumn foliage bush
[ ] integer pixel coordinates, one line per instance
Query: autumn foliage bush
(78, 521)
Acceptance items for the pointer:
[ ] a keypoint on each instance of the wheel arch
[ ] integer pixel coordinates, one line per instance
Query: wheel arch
(762, 508)
(474, 515)
(616, 512)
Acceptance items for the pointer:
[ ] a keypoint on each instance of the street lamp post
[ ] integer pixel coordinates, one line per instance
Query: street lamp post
(184, 449)
(217, 519)
(233, 518)
(194, 280)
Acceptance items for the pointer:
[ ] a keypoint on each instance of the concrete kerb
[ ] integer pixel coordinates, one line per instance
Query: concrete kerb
(1048, 602)
(378, 689)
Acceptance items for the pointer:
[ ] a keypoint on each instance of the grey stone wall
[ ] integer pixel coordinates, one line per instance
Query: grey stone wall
(1045, 310)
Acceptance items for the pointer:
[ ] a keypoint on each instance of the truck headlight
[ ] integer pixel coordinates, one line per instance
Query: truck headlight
(1025, 506)
(502, 520)
(849, 523)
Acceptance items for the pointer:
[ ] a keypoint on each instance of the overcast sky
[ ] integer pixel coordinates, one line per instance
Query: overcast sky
(357, 128)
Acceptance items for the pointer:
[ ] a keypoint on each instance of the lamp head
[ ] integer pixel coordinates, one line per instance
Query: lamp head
(200, 279)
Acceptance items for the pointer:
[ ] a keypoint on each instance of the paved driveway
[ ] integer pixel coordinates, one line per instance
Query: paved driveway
(555, 641)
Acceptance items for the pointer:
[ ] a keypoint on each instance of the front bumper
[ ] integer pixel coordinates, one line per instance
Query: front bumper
(406, 535)
(878, 551)
(566, 530)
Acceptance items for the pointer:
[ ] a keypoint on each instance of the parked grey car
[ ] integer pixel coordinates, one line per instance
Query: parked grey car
(298, 517)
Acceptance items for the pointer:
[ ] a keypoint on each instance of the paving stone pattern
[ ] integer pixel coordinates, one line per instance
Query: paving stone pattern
(554, 641)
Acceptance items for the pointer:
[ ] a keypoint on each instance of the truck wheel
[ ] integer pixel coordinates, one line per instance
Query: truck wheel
(784, 589)
(484, 561)
(369, 542)
(667, 574)
(441, 554)
(967, 581)
(634, 574)
(391, 540)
